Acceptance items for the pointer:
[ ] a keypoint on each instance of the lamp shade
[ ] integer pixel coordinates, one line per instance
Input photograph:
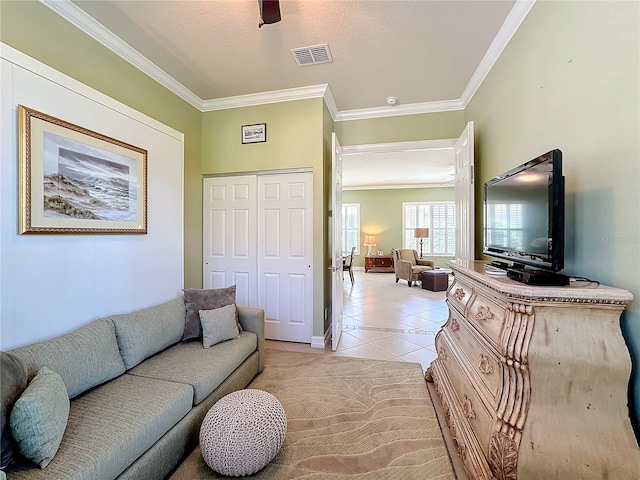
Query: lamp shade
(421, 232)
(370, 240)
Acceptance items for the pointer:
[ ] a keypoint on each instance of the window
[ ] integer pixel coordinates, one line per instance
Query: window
(506, 225)
(351, 227)
(439, 218)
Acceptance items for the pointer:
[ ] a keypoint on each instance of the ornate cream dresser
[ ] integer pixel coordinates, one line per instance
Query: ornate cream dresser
(533, 380)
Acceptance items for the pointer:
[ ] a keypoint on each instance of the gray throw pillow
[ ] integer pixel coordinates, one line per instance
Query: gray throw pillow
(196, 300)
(218, 325)
(39, 417)
(13, 381)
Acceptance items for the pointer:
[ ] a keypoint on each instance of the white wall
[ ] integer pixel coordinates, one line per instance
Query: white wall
(51, 284)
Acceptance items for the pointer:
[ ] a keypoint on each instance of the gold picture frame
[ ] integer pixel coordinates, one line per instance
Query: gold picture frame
(76, 181)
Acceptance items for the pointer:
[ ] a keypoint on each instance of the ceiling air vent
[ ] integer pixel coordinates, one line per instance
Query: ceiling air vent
(312, 55)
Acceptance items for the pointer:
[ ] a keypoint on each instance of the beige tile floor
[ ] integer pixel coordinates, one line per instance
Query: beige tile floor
(385, 320)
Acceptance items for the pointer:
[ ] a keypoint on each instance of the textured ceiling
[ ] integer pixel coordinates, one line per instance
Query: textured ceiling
(420, 51)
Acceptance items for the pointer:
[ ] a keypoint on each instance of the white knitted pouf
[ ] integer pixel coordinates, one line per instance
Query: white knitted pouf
(242, 432)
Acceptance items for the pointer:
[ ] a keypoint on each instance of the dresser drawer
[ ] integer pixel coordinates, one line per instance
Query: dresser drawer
(459, 294)
(473, 457)
(473, 409)
(487, 316)
(482, 359)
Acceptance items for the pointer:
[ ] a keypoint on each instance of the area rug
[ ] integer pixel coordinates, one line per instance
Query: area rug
(347, 417)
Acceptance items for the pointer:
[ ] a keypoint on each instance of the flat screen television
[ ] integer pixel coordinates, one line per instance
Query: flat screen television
(524, 214)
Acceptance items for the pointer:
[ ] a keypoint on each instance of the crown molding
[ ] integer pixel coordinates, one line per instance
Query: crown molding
(438, 144)
(275, 96)
(511, 24)
(397, 110)
(398, 187)
(330, 103)
(79, 18)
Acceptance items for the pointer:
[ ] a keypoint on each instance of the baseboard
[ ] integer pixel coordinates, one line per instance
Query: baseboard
(320, 342)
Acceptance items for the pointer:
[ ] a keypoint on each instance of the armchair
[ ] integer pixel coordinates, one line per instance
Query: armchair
(408, 266)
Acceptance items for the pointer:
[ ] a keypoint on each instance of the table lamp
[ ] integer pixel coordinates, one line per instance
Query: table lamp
(421, 233)
(369, 241)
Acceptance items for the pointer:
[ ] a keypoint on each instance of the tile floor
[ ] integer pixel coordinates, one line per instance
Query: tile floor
(385, 320)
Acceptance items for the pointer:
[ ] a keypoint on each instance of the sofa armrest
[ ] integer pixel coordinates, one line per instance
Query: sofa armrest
(252, 320)
(426, 263)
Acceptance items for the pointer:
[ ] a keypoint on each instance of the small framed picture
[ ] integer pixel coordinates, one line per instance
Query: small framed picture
(380, 253)
(254, 133)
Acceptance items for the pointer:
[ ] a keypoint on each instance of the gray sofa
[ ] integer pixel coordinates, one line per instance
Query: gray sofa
(138, 393)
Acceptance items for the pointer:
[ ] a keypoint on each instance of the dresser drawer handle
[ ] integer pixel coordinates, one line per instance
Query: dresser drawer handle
(467, 407)
(484, 366)
(459, 293)
(484, 313)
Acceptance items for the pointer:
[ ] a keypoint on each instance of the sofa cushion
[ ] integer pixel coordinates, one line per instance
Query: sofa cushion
(39, 417)
(197, 299)
(202, 368)
(84, 358)
(146, 332)
(13, 381)
(112, 426)
(218, 325)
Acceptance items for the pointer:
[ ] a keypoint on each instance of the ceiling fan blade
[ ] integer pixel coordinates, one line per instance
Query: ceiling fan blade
(269, 11)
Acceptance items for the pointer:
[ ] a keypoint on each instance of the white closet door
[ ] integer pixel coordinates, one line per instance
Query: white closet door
(229, 236)
(285, 255)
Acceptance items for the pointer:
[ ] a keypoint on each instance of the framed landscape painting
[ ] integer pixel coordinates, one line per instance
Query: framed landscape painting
(74, 180)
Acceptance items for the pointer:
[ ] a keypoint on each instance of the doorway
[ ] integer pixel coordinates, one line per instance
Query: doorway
(452, 161)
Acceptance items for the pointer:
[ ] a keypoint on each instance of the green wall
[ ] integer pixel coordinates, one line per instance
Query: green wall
(381, 215)
(569, 79)
(295, 139)
(32, 28)
(407, 128)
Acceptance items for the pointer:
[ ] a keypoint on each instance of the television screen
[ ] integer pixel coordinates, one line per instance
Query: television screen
(524, 213)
